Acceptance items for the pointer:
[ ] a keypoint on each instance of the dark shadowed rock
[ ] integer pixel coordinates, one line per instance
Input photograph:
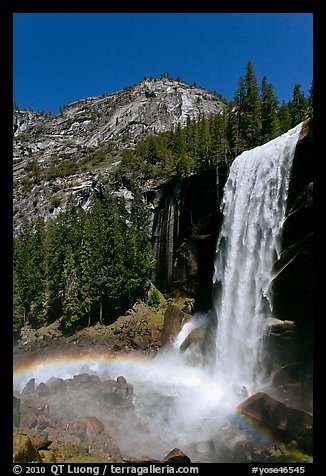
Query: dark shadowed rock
(176, 456)
(188, 307)
(16, 411)
(270, 413)
(200, 343)
(23, 449)
(185, 227)
(292, 284)
(121, 380)
(39, 439)
(140, 342)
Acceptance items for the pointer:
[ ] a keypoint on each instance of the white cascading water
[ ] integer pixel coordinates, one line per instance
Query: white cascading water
(254, 206)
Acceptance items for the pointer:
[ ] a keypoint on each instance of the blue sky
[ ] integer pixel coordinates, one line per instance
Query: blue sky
(60, 57)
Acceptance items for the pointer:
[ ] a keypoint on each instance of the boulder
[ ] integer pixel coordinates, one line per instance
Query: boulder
(58, 385)
(121, 380)
(119, 344)
(277, 326)
(176, 456)
(174, 318)
(43, 390)
(93, 425)
(285, 422)
(32, 413)
(16, 411)
(117, 392)
(140, 342)
(199, 342)
(23, 449)
(29, 387)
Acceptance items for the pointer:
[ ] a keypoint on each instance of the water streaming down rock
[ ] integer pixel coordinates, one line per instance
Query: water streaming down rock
(254, 206)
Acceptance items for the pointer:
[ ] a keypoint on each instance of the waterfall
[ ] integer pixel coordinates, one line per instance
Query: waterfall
(254, 207)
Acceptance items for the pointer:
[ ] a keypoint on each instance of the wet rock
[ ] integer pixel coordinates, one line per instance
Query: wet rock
(188, 307)
(277, 326)
(110, 392)
(93, 425)
(58, 385)
(200, 343)
(286, 374)
(203, 451)
(174, 319)
(287, 423)
(126, 389)
(87, 381)
(32, 412)
(121, 380)
(293, 278)
(118, 392)
(29, 387)
(43, 390)
(176, 456)
(16, 411)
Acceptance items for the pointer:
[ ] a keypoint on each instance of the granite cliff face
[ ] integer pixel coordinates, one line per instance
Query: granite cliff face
(149, 107)
(75, 151)
(185, 223)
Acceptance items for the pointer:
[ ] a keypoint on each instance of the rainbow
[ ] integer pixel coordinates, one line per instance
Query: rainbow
(141, 371)
(135, 368)
(66, 365)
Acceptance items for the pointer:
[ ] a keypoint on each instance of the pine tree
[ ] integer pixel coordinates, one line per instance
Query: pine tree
(297, 106)
(233, 132)
(39, 264)
(138, 257)
(18, 307)
(152, 155)
(29, 270)
(203, 148)
(248, 105)
(310, 105)
(98, 229)
(70, 285)
(283, 118)
(217, 132)
(107, 242)
(269, 105)
(182, 165)
(86, 272)
(62, 232)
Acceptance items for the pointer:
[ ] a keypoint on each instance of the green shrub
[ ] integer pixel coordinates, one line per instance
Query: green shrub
(155, 298)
